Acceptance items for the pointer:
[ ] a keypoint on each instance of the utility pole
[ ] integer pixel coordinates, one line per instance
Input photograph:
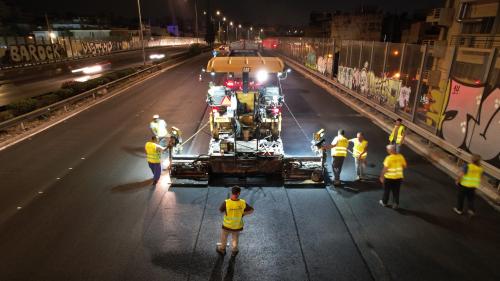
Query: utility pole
(141, 34)
(49, 30)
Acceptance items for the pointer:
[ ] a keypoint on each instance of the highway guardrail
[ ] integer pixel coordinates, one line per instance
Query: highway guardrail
(22, 119)
(437, 141)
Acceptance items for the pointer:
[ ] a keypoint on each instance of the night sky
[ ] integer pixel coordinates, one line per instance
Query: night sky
(252, 11)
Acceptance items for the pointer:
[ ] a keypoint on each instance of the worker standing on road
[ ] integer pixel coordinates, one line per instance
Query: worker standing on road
(234, 209)
(397, 136)
(392, 176)
(153, 155)
(468, 180)
(339, 153)
(359, 152)
(159, 128)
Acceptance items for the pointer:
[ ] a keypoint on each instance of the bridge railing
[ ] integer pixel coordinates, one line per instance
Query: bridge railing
(448, 95)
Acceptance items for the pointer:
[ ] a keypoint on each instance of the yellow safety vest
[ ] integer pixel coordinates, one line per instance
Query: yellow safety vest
(399, 138)
(473, 176)
(394, 164)
(152, 154)
(359, 147)
(341, 148)
(233, 218)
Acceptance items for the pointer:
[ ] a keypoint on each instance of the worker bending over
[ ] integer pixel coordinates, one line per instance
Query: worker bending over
(159, 128)
(468, 180)
(397, 136)
(339, 152)
(234, 209)
(153, 156)
(392, 176)
(359, 152)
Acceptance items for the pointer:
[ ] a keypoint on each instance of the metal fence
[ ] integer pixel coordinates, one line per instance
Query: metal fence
(452, 92)
(31, 50)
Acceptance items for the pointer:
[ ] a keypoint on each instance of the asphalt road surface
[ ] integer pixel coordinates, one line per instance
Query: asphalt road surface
(28, 82)
(76, 204)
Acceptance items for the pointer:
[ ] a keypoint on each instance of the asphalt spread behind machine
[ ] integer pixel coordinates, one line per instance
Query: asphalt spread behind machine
(246, 103)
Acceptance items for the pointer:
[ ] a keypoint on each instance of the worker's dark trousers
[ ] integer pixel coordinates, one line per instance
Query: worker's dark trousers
(156, 169)
(465, 192)
(338, 161)
(391, 186)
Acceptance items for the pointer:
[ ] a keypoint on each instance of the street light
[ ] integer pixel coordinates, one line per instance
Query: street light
(196, 20)
(141, 34)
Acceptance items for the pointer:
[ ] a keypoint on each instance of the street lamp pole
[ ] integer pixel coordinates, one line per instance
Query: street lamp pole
(141, 34)
(196, 20)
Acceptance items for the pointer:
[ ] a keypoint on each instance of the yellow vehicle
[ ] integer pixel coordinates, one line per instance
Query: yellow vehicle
(246, 103)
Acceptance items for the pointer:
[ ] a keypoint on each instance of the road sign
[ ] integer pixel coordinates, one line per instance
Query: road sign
(226, 101)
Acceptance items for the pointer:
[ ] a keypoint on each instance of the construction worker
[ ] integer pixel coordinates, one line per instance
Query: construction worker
(468, 180)
(392, 176)
(397, 136)
(159, 128)
(359, 152)
(234, 209)
(339, 152)
(153, 156)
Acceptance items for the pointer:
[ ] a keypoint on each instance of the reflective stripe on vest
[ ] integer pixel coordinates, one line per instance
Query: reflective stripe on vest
(359, 147)
(473, 176)
(341, 148)
(233, 218)
(152, 155)
(399, 138)
(394, 167)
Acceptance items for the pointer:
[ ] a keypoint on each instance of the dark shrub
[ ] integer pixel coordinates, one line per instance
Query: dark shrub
(23, 106)
(47, 99)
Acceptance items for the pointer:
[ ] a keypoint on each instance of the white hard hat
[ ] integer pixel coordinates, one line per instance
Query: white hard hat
(156, 116)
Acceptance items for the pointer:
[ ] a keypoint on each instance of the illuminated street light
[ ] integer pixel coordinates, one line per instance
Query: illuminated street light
(218, 13)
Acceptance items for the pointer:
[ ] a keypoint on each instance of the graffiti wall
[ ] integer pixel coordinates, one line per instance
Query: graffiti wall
(102, 47)
(470, 120)
(30, 53)
(386, 91)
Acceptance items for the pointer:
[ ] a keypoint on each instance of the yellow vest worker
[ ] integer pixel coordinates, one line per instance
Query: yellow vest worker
(152, 153)
(395, 164)
(233, 217)
(399, 134)
(340, 150)
(468, 181)
(358, 148)
(234, 209)
(472, 177)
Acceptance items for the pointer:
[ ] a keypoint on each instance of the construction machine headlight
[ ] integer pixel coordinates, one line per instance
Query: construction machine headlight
(262, 76)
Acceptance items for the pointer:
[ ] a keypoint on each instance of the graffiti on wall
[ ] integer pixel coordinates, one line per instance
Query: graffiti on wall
(471, 120)
(384, 90)
(34, 53)
(102, 47)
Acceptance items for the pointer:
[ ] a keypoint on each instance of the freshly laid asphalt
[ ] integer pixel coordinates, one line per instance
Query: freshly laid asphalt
(76, 203)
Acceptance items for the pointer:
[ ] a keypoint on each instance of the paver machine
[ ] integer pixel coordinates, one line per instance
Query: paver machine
(246, 102)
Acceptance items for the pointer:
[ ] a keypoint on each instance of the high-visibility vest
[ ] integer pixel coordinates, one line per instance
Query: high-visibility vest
(473, 176)
(359, 147)
(152, 154)
(341, 148)
(233, 218)
(399, 137)
(394, 164)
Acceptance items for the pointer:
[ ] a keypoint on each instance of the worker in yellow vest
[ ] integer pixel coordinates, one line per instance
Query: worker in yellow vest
(153, 156)
(392, 176)
(234, 209)
(397, 136)
(359, 152)
(468, 180)
(339, 152)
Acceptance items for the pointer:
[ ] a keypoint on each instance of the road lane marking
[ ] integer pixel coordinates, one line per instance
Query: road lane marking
(63, 120)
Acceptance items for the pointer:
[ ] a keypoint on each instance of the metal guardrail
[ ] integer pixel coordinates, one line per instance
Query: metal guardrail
(460, 153)
(20, 120)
